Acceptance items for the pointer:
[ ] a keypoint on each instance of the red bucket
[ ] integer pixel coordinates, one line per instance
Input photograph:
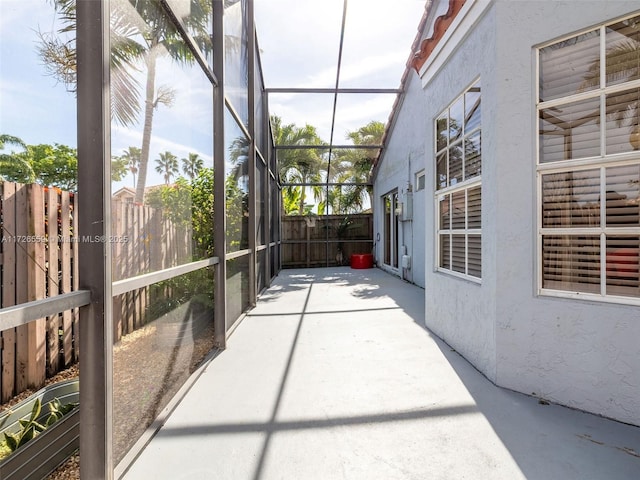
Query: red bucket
(361, 260)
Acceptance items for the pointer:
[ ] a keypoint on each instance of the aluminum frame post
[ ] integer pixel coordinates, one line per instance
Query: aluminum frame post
(94, 186)
(253, 255)
(219, 215)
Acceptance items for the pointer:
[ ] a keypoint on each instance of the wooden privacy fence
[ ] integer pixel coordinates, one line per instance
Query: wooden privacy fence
(144, 239)
(325, 241)
(39, 251)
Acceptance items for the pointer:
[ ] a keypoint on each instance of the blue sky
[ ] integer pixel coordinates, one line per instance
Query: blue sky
(299, 48)
(299, 43)
(32, 105)
(38, 109)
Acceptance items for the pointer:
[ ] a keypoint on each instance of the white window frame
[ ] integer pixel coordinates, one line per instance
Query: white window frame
(601, 162)
(391, 232)
(421, 176)
(463, 186)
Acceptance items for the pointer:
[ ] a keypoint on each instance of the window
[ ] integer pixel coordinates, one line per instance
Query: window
(589, 164)
(391, 229)
(420, 177)
(458, 186)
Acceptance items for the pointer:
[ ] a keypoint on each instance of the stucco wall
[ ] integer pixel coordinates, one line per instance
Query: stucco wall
(463, 312)
(579, 353)
(403, 157)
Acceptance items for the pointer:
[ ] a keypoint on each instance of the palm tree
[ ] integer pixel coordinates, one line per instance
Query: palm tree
(131, 157)
(58, 52)
(354, 166)
(291, 200)
(192, 165)
(298, 166)
(137, 40)
(167, 164)
(11, 140)
(15, 166)
(370, 134)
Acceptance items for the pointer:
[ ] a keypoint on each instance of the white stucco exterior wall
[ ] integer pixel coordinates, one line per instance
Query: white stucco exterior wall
(583, 354)
(462, 312)
(403, 158)
(578, 353)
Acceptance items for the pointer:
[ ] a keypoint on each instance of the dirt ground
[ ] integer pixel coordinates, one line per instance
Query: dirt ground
(149, 367)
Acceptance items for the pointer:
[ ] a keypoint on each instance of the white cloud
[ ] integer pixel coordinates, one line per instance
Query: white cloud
(363, 67)
(300, 43)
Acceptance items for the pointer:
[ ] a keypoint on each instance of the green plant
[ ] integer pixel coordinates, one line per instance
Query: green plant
(30, 427)
(57, 410)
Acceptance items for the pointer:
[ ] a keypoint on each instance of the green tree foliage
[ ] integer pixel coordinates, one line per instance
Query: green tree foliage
(237, 208)
(118, 169)
(141, 33)
(55, 165)
(190, 205)
(298, 166)
(237, 196)
(354, 166)
(202, 198)
(370, 134)
(291, 200)
(49, 165)
(167, 165)
(192, 165)
(14, 166)
(131, 158)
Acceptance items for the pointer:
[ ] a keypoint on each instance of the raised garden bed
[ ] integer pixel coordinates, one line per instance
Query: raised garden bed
(50, 448)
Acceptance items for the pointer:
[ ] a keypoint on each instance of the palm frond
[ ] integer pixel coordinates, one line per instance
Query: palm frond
(59, 58)
(11, 139)
(622, 63)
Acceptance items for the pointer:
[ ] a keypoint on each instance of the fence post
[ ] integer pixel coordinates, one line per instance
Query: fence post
(8, 287)
(22, 285)
(53, 322)
(65, 220)
(118, 262)
(36, 289)
(308, 248)
(73, 203)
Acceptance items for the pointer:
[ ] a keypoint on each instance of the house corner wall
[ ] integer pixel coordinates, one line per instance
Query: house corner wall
(403, 157)
(582, 354)
(578, 353)
(460, 311)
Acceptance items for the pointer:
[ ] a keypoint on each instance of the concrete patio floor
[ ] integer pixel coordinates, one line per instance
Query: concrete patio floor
(334, 376)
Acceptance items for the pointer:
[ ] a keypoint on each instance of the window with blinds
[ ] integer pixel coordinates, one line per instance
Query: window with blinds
(589, 163)
(458, 191)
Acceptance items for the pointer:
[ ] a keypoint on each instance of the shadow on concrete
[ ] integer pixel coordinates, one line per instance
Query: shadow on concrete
(550, 441)
(320, 423)
(546, 441)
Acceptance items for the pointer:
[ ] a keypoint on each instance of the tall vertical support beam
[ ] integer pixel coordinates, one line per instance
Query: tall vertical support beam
(219, 215)
(268, 155)
(266, 190)
(253, 231)
(280, 209)
(94, 164)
